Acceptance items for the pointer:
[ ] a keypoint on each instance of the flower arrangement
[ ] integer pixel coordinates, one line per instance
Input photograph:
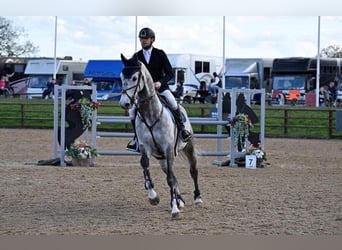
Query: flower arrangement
(241, 124)
(81, 150)
(259, 152)
(86, 108)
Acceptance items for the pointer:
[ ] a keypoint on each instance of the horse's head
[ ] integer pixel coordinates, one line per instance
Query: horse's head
(131, 81)
(137, 82)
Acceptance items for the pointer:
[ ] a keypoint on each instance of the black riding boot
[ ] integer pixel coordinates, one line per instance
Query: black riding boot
(185, 134)
(133, 144)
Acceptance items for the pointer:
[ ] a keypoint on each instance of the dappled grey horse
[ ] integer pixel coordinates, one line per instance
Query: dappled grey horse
(157, 132)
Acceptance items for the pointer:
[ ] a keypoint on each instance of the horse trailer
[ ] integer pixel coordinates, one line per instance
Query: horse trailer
(191, 69)
(41, 71)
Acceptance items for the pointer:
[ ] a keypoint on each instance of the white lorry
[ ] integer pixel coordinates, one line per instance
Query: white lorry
(248, 73)
(41, 71)
(191, 69)
(244, 73)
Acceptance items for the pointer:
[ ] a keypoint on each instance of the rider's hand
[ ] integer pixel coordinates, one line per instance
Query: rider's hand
(157, 85)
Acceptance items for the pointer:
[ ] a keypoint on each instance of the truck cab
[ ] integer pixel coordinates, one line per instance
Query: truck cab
(36, 84)
(105, 74)
(244, 73)
(285, 85)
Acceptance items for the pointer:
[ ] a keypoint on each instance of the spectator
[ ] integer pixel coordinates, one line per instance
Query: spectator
(203, 85)
(86, 81)
(322, 96)
(178, 93)
(2, 85)
(215, 85)
(87, 93)
(332, 93)
(49, 89)
(202, 93)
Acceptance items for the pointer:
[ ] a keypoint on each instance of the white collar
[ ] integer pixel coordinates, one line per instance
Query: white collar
(148, 51)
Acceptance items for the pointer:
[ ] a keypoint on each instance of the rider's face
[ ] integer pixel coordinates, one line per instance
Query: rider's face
(146, 43)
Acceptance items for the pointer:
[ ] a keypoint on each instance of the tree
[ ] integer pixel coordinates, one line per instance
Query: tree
(10, 45)
(332, 51)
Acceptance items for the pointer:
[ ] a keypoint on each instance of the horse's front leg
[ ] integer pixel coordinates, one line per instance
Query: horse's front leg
(172, 182)
(152, 195)
(180, 200)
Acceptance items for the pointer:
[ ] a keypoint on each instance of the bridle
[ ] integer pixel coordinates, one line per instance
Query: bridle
(132, 102)
(135, 87)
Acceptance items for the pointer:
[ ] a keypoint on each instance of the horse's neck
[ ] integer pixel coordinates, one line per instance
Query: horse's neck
(149, 104)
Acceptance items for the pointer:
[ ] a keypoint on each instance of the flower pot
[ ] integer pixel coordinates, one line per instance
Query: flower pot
(260, 163)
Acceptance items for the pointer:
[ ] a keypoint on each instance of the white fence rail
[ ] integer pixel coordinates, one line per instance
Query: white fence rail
(218, 121)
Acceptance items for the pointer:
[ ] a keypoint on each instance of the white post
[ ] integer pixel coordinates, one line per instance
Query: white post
(318, 62)
(55, 49)
(56, 91)
(224, 51)
(136, 34)
(220, 99)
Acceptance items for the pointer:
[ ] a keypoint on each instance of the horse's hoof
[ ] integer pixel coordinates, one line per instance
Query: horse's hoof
(154, 201)
(181, 204)
(175, 216)
(198, 201)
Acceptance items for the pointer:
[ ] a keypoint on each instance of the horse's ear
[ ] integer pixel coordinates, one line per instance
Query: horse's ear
(135, 59)
(123, 59)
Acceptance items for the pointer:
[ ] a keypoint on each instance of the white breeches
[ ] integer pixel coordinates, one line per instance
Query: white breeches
(170, 99)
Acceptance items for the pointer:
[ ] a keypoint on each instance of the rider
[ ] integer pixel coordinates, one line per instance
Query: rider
(160, 69)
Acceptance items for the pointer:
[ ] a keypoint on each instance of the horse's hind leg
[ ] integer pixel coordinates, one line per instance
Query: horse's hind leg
(190, 153)
(152, 195)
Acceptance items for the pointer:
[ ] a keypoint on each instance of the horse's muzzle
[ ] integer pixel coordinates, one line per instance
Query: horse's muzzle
(125, 102)
(126, 106)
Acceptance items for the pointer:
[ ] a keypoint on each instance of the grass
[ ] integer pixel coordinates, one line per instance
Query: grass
(301, 121)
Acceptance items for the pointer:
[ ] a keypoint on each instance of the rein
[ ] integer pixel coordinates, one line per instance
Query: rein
(143, 100)
(150, 127)
(124, 91)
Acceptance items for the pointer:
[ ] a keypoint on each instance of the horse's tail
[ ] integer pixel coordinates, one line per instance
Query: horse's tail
(188, 150)
(186, 120)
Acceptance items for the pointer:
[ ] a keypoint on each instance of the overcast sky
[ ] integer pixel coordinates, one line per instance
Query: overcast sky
(105, 37)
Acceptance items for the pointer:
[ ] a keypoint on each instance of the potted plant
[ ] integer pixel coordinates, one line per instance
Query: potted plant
(259, 153)
(81, 153)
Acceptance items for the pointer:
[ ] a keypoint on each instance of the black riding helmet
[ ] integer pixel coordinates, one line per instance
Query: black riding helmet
(146, 33)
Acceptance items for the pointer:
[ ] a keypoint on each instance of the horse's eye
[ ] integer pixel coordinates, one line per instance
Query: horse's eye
(134, 78)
